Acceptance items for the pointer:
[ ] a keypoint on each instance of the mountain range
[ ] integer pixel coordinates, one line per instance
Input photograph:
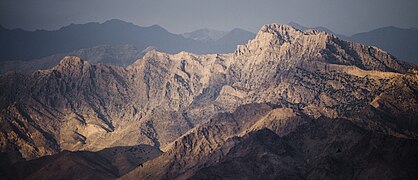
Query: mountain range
(113, 42)
(26, 51)
(25, 45)
(19, 44)
(288, 104)
(120, 55)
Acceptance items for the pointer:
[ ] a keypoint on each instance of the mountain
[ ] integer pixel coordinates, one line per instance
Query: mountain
(305, 77)
(24, 45)
(288, 104)
(119, 55)
(205, 35)
(397, 41)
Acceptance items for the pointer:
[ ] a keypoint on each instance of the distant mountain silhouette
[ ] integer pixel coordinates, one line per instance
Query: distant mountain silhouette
(119, 55)
(233, 38)
(319, 28)
(221, 41)
(400, 42)
(205, 35)
(25, 45)
(19, 44)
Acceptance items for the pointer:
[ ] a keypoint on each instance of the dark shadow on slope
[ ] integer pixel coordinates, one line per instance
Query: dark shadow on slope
(258, 155)
(108, 163)
(321, 149)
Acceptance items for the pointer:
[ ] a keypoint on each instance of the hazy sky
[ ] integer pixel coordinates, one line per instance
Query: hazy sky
(178, 16)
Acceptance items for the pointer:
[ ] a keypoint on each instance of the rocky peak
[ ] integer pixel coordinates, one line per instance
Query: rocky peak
(283, 32)
(71, 65)
(149, 56)
(154, 54)
(288, 33)
(279, 41)
(71, 61)
(278, 38)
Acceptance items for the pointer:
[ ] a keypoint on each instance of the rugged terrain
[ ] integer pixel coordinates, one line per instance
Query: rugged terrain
(288, 104)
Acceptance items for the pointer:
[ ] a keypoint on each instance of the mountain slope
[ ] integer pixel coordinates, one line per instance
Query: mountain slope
(314, 92)
(274, 157)
(257, 155)
(109, 163)
(320, 148)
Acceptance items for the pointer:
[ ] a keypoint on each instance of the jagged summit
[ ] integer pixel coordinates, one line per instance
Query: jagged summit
(280, 30)
(71, 65)
(154, 54)
(71, 61)
(280, 41)
(277, 37)
(286, 32)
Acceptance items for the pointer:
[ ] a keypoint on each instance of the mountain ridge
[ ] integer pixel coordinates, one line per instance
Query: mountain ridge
(227, 44)
(41, 43)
